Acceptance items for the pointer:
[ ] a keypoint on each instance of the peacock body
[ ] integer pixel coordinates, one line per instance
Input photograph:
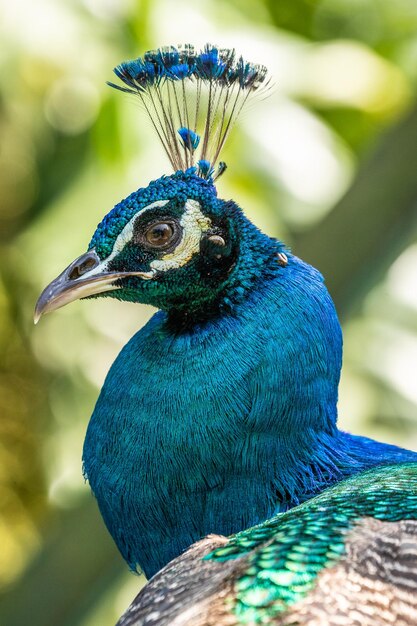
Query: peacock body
(346, 557)
(220, 414)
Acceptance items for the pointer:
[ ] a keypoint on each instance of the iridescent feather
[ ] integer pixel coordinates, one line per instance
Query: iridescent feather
(192, 99)
(348, 556)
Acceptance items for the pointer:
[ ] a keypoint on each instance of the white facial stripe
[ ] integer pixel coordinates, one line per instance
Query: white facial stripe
(127, 233)
(123, 238)
(193, 223)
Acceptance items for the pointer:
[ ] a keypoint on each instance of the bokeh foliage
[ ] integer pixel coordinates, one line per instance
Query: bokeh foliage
(327, 163)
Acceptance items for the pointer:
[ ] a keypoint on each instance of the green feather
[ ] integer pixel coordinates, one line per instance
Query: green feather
(311, 537)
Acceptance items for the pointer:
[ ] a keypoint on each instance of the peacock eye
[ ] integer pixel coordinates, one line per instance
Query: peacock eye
(160, 234)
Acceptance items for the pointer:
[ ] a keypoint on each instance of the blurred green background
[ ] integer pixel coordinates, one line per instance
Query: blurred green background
(327, 163)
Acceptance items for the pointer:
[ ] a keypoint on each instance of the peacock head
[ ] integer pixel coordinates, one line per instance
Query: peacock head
(175, 244)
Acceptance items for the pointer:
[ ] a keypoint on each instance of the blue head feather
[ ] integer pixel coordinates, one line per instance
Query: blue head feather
(205, 169)
(189, 137)
(179, 186)
(209, 65)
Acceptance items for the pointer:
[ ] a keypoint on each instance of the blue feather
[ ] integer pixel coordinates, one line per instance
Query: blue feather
(202, 92)
(209, 65)
(180, 71)
(205, 169)
(189, 137)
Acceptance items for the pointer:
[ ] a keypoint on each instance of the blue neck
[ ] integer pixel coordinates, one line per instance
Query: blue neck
(215, 427)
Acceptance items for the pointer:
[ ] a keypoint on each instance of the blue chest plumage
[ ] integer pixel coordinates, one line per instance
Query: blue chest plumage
(214, 429)
(191, 431)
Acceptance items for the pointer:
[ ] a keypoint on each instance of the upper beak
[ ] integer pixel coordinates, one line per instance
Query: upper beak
(84, 277)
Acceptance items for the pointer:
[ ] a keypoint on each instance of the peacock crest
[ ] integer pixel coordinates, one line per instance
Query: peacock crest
(193, 99)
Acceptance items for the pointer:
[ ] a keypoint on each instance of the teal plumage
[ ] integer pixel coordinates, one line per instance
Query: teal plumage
(347, 556)
(220, 414)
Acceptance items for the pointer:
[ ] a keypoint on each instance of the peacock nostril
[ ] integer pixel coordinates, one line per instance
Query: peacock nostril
(83, 265)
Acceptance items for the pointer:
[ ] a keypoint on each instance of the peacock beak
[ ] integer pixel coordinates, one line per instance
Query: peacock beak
(85, 276)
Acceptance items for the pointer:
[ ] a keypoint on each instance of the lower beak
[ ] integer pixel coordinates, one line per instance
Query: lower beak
(84, 277)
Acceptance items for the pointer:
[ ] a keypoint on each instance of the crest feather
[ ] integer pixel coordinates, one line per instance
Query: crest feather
(193, 99)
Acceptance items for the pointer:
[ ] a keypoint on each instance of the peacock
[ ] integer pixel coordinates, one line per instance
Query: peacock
(213, 450)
